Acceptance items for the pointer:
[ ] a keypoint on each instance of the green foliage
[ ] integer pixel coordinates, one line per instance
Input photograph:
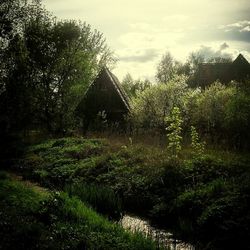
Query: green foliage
(237, 117)
(101, 198)
(203, 198)
(134, 87)
(210, 110)
(168, 67)
(151, 107)
(197, 146)
(219, 112)
(92, 162)
(31, 220)
(174, 132)
(46, 66)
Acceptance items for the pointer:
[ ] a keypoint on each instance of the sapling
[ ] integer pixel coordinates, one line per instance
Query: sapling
(174, 132)
(197, 146)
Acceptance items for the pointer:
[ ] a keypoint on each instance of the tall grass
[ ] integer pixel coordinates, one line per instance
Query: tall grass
(101, 198)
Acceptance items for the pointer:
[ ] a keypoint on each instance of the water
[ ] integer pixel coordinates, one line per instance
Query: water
(161, 236)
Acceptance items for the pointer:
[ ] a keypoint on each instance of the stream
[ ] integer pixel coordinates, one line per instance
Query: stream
(161, 236)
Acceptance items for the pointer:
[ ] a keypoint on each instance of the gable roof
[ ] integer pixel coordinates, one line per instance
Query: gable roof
(104, 93)
(225, 71)
(117, 85)
(241, 60)
(115, 82)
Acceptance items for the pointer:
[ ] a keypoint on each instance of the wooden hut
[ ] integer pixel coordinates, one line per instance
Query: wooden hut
(208, 73)
(105, 95)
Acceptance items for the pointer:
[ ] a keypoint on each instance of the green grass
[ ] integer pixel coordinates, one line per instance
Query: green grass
(101, 198)
(35, 220)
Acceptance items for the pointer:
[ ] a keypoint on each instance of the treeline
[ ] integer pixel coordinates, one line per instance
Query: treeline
(45, 67)
(168, 67)
(220, 113)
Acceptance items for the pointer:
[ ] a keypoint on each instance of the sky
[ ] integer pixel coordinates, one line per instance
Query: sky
(141, 31)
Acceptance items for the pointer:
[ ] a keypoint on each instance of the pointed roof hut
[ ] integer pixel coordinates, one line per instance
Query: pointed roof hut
(105, 94)
(208, 73)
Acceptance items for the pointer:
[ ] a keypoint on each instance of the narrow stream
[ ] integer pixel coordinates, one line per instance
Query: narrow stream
(161, 236)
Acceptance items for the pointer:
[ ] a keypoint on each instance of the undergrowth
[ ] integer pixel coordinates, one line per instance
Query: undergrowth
(34, 220)
(203, 198)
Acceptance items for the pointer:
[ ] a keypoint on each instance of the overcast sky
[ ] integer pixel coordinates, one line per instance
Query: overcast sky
(141, 31)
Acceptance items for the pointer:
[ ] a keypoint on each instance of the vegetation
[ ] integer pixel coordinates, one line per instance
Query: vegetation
(174, 132)
(220, 113)
(197, 146)
(134, 87)
(102, 199)
(199, 191)
(46, 66)
(56, 221)
(203, 199)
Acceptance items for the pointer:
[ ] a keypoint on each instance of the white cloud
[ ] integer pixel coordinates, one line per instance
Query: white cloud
(240, 25)
(245, 29)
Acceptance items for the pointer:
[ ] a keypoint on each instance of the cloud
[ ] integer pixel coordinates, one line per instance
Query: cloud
(211, 52)
(141, 31)
(245, 29)
(141, 56)
(237, 31)
(240, 25)
(224, 46)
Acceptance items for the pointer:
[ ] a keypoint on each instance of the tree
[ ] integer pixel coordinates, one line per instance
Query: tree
(168, 67)
(128, 85)
(165, 68)
(65, 55)
(46, 67)
(134, 87)
(150, 107)
(219, 59)
(194, 59)
(15, 92)
(197, 146)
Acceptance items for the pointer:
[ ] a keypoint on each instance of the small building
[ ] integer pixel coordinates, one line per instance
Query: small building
(104, 95)
(225, 72)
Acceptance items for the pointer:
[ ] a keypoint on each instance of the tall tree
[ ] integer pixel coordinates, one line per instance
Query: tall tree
(168, 67)
(194, 59)
(134, 87)
(165, 68)
(14, 71)
(46, 66)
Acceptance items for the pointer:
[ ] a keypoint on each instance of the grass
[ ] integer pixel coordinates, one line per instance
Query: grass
(101, 198)
(193, 195)
(35, 220)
